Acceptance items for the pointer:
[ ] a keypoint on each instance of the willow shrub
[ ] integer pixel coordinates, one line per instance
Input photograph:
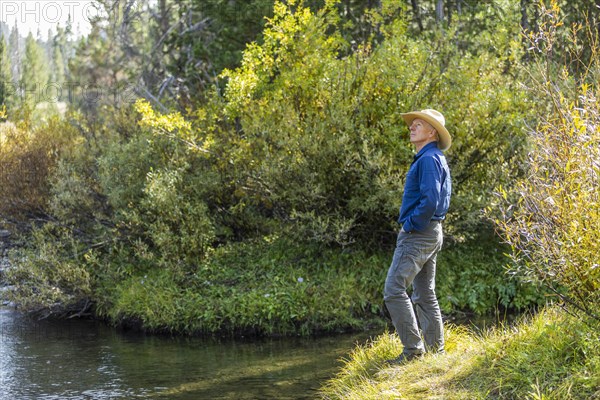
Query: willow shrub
(317, 137)
(49, 277)
(27, 159)
(157, 191)
(553, 224)
(305, 143)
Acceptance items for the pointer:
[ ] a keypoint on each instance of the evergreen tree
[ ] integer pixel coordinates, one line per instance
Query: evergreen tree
(15, 51)
(69, 42)
(63, 51)
(35, 72)
(48, 45)
(58, 73)
(109, 61)
(6, 83)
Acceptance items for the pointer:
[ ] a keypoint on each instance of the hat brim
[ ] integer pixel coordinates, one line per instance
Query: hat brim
(445, 138)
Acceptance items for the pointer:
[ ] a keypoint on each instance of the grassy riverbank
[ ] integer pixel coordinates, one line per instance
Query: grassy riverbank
(275, 286)
(269, 286)
(551, 355)
(264, 287)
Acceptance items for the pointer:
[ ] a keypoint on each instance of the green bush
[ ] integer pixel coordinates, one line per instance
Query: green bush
(318, 139)
(472, 277)
(158, 191)
(277, 286)
(168, 213)
(50, 277)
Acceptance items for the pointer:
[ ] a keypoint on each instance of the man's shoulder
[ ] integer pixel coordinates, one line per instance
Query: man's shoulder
(432, 158)
(429, 149)
(432, 153)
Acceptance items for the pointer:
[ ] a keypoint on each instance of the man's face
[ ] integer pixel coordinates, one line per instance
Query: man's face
(421, 132)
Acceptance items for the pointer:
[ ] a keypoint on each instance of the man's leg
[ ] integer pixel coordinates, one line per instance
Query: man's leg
(403, 270)
(426, 303)
(428, 309)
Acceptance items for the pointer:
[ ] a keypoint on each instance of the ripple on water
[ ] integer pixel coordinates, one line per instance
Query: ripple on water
(72, 360)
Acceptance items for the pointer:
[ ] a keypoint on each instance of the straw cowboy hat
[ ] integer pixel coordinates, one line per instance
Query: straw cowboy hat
(437, 120)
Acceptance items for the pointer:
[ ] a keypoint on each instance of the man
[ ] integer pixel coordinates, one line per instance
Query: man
(424, 206)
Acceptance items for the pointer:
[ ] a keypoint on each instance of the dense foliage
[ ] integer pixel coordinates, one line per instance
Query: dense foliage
(27, 159)
(271, 204)
(553, 224)
(550, 218)
(5, 77)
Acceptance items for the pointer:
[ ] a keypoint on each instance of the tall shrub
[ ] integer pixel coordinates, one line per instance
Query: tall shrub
(27, 159)
(551, 217)
(317, 137)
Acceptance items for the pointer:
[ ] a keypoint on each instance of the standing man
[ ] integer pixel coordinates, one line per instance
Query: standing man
(424, 206)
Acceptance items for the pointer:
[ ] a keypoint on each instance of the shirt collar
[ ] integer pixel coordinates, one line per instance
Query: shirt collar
(424, 149)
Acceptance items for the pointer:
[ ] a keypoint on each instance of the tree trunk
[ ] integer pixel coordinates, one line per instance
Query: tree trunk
(524, 19)
(417, 12)
(439, 11)
(164, 17)
(536, 19)
(525, 27)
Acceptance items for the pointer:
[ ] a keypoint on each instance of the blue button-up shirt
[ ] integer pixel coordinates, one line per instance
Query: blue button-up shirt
(427, 189)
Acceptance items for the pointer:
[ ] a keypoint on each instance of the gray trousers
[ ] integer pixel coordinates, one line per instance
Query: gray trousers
(414, 263)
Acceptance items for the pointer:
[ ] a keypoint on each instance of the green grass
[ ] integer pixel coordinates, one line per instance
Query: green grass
(258, 288)
(273, 286)
(551, 355)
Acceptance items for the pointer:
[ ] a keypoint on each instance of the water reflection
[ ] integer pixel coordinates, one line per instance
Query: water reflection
(87, 360)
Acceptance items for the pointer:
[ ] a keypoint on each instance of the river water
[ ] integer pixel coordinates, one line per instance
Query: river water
(82, 359)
